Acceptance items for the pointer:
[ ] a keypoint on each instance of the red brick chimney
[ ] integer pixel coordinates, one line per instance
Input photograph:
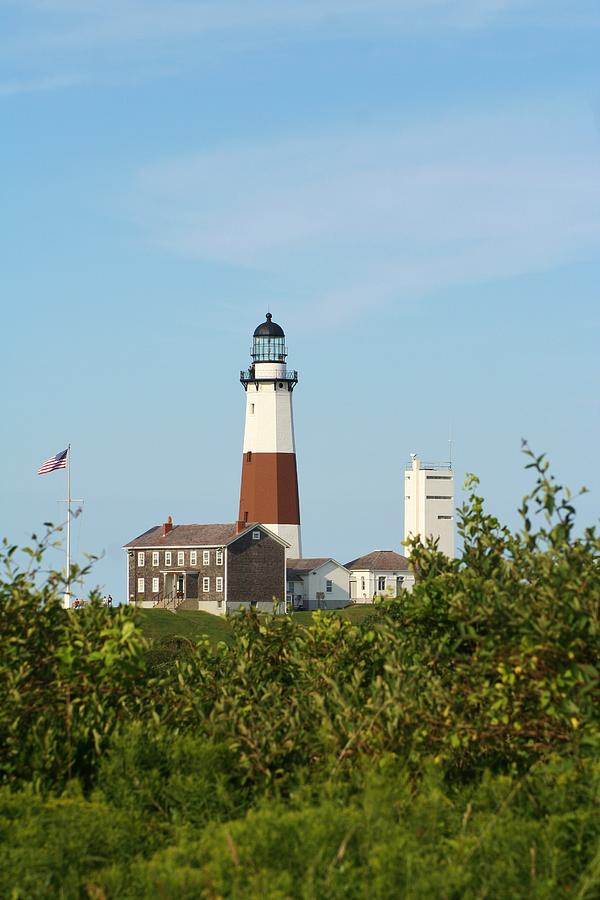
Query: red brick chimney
(240, 526)
(167, 526)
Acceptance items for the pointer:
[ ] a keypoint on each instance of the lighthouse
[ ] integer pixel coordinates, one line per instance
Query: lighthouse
(269, 489)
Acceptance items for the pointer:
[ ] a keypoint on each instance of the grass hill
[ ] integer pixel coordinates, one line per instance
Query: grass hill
(158, 624)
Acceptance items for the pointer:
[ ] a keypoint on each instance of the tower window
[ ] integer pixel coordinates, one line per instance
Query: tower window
(249, 456)
(445, 517)
(437, 497)
(252, 409)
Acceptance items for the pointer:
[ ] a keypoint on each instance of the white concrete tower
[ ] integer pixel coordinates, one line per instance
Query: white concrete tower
(269, 489)
(429, 503)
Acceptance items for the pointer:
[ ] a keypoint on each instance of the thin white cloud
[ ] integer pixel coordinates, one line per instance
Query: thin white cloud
(361, 219)
(80, 24)
(37, 85)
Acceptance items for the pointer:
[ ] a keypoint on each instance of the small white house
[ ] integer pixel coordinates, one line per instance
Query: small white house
(319, 583)
(382, 573)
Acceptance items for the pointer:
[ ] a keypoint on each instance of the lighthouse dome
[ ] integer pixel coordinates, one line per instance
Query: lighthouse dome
(269, 329)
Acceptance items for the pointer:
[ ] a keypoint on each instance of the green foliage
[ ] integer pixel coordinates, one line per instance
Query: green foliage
(443, 746)
(66, 678)
(381, 836)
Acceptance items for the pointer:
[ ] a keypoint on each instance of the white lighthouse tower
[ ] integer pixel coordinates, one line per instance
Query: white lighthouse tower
(269, 489)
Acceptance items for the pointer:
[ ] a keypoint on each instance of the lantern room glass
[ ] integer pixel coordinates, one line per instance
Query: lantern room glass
(268, 349)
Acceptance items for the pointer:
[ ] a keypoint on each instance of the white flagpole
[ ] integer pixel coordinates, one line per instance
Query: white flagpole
(67, 597)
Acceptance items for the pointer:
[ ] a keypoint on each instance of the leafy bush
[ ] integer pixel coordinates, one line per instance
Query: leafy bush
(445, 746)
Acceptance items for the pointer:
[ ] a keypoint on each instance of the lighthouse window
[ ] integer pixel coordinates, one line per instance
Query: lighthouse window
(249, 456)
(252, 409)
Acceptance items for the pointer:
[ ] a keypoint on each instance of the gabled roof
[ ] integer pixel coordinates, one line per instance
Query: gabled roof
(185, 536)
(379, 560)
(196, 536)
(300, 566)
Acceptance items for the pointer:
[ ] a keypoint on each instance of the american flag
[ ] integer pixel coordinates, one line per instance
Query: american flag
(55, 462)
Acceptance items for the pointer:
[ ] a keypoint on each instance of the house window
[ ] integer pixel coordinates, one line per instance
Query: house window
(256, 535)
(362, 583)
(381, 583)
(141, 586)
(168, 558)
(181, 557)
(219, 584)
(219, 557)
(193, 557)
(206, 585)
(206, 557)
(155, 585)
(141, 559)
(329, 586)
(155, 557)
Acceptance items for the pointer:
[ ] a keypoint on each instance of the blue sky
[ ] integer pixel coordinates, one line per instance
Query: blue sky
(412, 188)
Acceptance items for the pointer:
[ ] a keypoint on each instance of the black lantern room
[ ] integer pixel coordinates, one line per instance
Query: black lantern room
(268, 344)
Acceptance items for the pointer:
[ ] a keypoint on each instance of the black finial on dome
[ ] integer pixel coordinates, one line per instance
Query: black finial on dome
(269, 328)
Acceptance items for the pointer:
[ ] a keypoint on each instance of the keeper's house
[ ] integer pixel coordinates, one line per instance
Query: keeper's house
(381, 573)
(216, 568)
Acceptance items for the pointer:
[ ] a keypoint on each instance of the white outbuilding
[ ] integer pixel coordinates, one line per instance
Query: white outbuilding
(317, 583)
(381, 573)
